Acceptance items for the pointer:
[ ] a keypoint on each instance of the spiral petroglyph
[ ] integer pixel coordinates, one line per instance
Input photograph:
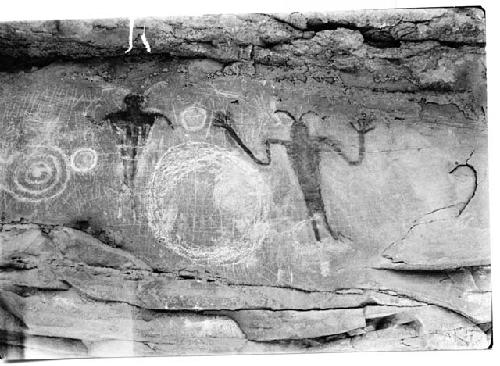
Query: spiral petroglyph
(38, 174)
(208, 204)
(83, 160)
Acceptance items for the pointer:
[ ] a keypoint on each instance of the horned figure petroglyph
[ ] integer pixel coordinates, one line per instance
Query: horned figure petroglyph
(304, 150)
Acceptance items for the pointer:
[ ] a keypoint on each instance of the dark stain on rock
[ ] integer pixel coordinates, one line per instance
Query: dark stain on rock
(304, 152)
(94, 229)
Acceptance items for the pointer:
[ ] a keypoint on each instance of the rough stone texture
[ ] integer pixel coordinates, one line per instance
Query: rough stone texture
(265, 325)
(394, 255)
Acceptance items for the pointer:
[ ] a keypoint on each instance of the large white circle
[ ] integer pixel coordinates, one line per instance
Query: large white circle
(208, 204)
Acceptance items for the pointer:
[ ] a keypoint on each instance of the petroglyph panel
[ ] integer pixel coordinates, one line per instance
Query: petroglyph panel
(256, 183)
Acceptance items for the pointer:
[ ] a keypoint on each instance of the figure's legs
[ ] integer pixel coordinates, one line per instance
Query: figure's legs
(317, 214)
(319, 218)
(124, 154)
(132, 166)
(315, 229)
(333, 233)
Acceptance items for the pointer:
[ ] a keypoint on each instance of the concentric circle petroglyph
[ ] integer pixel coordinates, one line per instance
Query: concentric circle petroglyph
(38, 174)
(84, 160)
(193, 118)
(208, 204)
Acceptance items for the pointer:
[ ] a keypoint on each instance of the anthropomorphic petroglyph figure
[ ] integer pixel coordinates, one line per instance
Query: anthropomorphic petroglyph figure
(304, 152)
(132, 127)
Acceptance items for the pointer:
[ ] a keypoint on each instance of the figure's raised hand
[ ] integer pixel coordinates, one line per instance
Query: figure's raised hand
(364, 124)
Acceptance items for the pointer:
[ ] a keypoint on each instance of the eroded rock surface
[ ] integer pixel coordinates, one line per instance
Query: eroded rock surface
(256, 183)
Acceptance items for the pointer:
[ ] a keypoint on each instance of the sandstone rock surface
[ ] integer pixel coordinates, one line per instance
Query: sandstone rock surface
(149, 229)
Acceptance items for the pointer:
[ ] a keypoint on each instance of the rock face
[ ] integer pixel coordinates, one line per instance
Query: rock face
(255, 183)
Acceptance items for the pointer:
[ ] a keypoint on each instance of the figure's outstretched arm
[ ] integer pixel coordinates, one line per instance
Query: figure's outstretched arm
(221, 120)
(362, 127)
(116, 116)
(108, 117)
(161, 115)
(113, 117)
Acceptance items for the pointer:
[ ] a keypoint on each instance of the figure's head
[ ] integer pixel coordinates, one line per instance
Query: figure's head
(134, 101)
(308, 122)
(298, 129)
(364, 116)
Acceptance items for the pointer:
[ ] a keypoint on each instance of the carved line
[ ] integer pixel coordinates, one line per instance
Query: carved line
(186, 115)
(84, 160)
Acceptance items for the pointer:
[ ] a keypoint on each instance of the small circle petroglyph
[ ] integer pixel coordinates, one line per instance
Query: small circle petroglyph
(208, 204)
(84, 160)
(38, 174)
(193, 118)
